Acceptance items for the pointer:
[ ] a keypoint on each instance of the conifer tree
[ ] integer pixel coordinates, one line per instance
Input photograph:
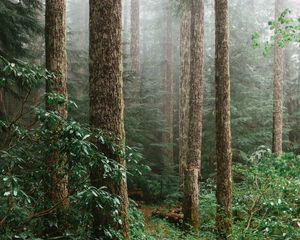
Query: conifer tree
(135, 47)
(56, 62)
(278, 89)
(193, 161)
(223, 128)
(107, 105)
(168, 90)
(185, 32)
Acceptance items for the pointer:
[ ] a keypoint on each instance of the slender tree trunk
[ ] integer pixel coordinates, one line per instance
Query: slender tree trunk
(168, 88)
(185, 37)
(56, 62)
(107, 103)
(278, 90)
(290, 101)
(193, 161)
(135, 47)
(290, 110)
(2, 105)
(223, 129)
(3, 117)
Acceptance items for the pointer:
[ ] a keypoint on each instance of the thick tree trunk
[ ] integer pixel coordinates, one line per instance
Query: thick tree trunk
(135, 47)
(278, 90)
(56, 62)
(185, 37)
(223, 129)
(107, 103)
(168, 88)
(193, 161)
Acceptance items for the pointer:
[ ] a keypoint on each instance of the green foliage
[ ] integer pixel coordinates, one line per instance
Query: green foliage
(19, 25)
(25, 207)
(266, 202)
(286, 30)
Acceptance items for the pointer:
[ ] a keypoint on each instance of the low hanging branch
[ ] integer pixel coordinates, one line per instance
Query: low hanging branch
(285, 26)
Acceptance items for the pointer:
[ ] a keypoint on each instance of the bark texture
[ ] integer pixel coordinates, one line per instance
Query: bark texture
(278, 89)
(185, 47)
(135, 46)
(223, 129)
(106, 102)
(193, 161)
(168, 88)
(56, 61)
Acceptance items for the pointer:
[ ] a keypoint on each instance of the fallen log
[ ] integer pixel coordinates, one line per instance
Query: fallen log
(174, 215)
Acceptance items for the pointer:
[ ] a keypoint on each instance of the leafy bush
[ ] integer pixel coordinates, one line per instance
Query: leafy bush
(26, 209)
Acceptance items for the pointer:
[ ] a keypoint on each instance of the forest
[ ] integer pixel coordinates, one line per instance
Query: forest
(150, 119)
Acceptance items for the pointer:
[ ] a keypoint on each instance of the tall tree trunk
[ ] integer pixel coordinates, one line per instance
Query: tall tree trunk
(193, 161)
(107, 103)
(278, 89)
(56, 61)
(185, 38)
(223, 129)
(135, 47)
(168, 88)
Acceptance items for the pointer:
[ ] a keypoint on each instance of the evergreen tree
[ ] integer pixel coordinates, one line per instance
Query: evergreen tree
(196, 88)
(185, 32)
(135, 48)
(19, 25)
(107, 106)
(223, 128)
(167, 137)
(278, 88)
(56, 62)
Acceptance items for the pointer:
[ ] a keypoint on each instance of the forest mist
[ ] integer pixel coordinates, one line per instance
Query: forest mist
(149, 119)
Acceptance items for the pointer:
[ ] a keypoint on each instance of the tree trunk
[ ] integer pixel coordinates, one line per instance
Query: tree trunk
(56, 62)
(107, 103)
(223, 129)
(185, 35)
(2, 105)
(168, 88)
(278, 90)
(193, 161)
(3, 117)
(135, 47)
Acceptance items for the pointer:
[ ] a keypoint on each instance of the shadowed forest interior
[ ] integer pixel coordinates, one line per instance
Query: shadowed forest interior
(150, 119)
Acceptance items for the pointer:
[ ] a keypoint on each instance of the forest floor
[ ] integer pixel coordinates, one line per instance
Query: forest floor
(160, 229)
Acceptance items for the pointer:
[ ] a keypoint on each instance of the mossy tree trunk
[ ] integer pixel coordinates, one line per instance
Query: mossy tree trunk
(185, 32)
(107, 104)
(223, 128)
(193, 161)
(56, 62)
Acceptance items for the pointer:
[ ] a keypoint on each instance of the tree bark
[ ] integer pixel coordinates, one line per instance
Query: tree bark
(185, 38)
(168, 88)
(223, 129)
(107, 103)
(56, 62)
(2, 105)
(278, 89)
(193, 161)
(135, 47)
